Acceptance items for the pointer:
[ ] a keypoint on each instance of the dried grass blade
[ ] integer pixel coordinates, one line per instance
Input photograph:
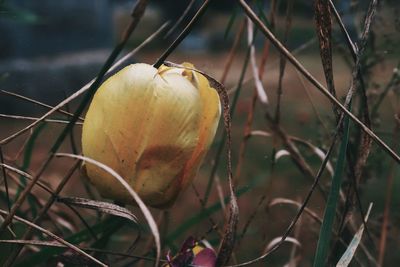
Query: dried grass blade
(317, 151)
(37, 102)
(278, 239)
(59, 239)
(183, 34)
(232, 51)
(280, 201)
(142, 206)
(5, 180)
(178, 22)
(229, 237)
(101, 206)
(324, 32)
(27, 118)
(262, 95)
(59, 245)
(351, 249)
(281, 153)
(137, 13)
(84, 88)
(282, 49)
(282, 63)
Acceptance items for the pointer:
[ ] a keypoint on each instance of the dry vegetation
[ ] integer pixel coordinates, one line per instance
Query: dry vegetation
(314, 140)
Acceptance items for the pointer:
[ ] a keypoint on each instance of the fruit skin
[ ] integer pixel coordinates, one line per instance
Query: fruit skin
(153, 127)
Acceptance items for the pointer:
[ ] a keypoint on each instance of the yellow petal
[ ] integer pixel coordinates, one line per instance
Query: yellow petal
(210, 114)
(151, 126)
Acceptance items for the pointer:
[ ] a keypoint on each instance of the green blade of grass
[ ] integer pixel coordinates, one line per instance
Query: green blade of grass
(260, 9)
(28, 154)
(106, 236)
(333, 198)
(197, 218)
(232, 19)
(113, 222)
(6, 249)
(42, 256)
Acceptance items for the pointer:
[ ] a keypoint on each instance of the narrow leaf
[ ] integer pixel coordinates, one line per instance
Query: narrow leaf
(146, 212)
(82, 236)
(333, 198)
(278, 239)
(351, 249)
(262, 95)
(57, 238)
(281, 153)
(324, 31)
(101, 206)
(232, 19)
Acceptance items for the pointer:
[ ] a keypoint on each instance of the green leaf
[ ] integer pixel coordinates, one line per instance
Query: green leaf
(202, 215)
(5, 249)
(333, 198)
(28, 153)
(260, 9)
(232, 19)
(42, 256)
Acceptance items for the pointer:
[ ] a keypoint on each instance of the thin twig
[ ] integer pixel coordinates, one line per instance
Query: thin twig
(352, 48)
(229, 237)
(59, 245)
(185, 12)
(317, 219)
(27, 118)
(392, 82)
(210, 218)
(55, 237)
(314, 81)
(323, 165)
(297, 216)
(5, 179)
(304, 86)
(146, 212)
(37, 103)
(247, 132)
(71, 134)
(233, 51)
(84, 88)
(295, 155)
(21, 149)
(26, 175)
(136, 16)
(282, 62)
(27, 235)
(221, 146)
(251, 218)
(45, 188)
(183, 34)
(228, 240)
(357, 82)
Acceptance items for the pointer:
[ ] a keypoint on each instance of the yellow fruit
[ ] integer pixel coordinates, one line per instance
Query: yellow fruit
(153, 127)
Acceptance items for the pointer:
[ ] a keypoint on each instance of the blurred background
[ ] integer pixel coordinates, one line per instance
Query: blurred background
(49, 49)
